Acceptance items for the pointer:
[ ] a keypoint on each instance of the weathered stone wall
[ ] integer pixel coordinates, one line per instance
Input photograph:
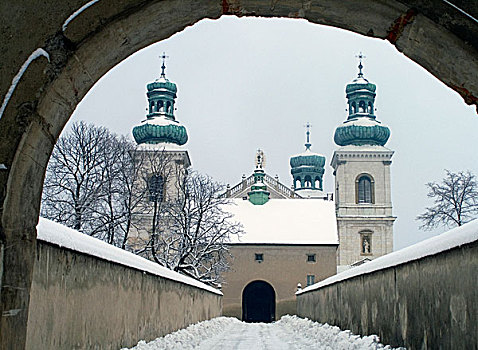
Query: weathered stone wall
(83, 302)
(429, 303)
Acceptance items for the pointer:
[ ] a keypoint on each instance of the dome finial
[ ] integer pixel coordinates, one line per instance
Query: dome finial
(360, 57)
(308, 144)
(163, 66)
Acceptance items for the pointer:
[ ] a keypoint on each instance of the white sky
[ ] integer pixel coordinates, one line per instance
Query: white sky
(251, 83)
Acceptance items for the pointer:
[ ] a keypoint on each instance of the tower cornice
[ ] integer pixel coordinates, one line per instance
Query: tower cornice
(359, 153)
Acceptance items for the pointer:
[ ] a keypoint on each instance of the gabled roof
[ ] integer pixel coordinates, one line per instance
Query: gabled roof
(286, 221)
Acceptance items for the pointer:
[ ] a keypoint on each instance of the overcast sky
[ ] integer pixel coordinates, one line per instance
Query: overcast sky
(250, 83)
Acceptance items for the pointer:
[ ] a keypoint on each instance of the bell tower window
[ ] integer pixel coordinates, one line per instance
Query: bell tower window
(156, 188)
(364, 189)
(362, 107)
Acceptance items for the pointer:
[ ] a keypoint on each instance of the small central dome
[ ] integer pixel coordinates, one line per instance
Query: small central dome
(162, 83)
(307, 168)
(307, 158)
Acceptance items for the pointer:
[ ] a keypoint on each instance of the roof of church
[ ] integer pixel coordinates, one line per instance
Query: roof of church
(286, 221)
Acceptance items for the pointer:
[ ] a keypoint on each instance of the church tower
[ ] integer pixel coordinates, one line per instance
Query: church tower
(307, 170)
(362, 178)
(163, 161)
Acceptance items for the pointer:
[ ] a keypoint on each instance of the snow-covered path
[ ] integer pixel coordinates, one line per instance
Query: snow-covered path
(291, 332)
(248, 336)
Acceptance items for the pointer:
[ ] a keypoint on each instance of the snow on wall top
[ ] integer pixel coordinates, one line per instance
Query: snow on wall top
(454, 238)
(55, 233)
(286, 221)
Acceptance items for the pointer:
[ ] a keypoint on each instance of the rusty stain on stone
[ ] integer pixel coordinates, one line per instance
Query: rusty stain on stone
(396, 29)
(233, 7)
(469, 98)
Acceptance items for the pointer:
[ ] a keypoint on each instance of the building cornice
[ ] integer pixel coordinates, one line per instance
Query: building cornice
(343, 155)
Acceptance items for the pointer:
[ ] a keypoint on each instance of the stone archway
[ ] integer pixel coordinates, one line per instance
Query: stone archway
(258, 302)
(54, 52)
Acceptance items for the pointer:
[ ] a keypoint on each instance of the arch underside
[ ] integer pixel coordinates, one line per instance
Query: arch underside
(39, 92)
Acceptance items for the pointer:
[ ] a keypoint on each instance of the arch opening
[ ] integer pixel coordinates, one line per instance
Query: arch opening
(258, 302)
(31, 157)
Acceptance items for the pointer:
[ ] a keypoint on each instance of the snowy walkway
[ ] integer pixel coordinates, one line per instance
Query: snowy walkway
(290, 332)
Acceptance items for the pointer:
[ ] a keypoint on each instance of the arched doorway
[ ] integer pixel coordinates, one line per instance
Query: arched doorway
(258, 302)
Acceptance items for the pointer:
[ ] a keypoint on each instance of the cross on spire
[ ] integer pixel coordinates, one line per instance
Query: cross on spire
(163, 66)
(308, 144)
(360, 57)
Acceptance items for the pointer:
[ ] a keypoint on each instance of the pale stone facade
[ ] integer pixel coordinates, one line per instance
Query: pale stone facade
(365, 229)
(283, 267)
(168, 162)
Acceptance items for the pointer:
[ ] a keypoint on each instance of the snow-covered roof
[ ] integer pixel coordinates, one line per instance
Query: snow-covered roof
(310, 193)
(361, 148)
(307, 153)
(160, 120)
(162, 146)
(286, 221)
(362, 121)
(360, 80)
(454, 238)
(55, 233)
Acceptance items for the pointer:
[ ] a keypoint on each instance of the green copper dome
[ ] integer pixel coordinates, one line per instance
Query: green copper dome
(162, 84)
(361, 127)
(307, 168)
(153, 133)
(160, 125)
(361, 131)
(308, 159)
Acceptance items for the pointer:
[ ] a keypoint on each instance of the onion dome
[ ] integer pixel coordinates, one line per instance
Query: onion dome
(258, 195)
(361, 127)
(160, 125)
(307, 168)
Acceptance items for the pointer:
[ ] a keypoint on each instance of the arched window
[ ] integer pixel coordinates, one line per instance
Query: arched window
(317, 183)
(353, 107)
(168, 107)
(364, 187)
(151, 107)
(362, 107)
(370, 108)
(159, 106)
(365, 242)
(156, 188)
(298, 183)
(308, 181)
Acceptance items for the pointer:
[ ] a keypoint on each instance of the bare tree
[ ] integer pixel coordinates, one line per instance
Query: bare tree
(122, 191)
(92, 183)
(195, 229)
(74, 178)
(104, 186)
(455, 201)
